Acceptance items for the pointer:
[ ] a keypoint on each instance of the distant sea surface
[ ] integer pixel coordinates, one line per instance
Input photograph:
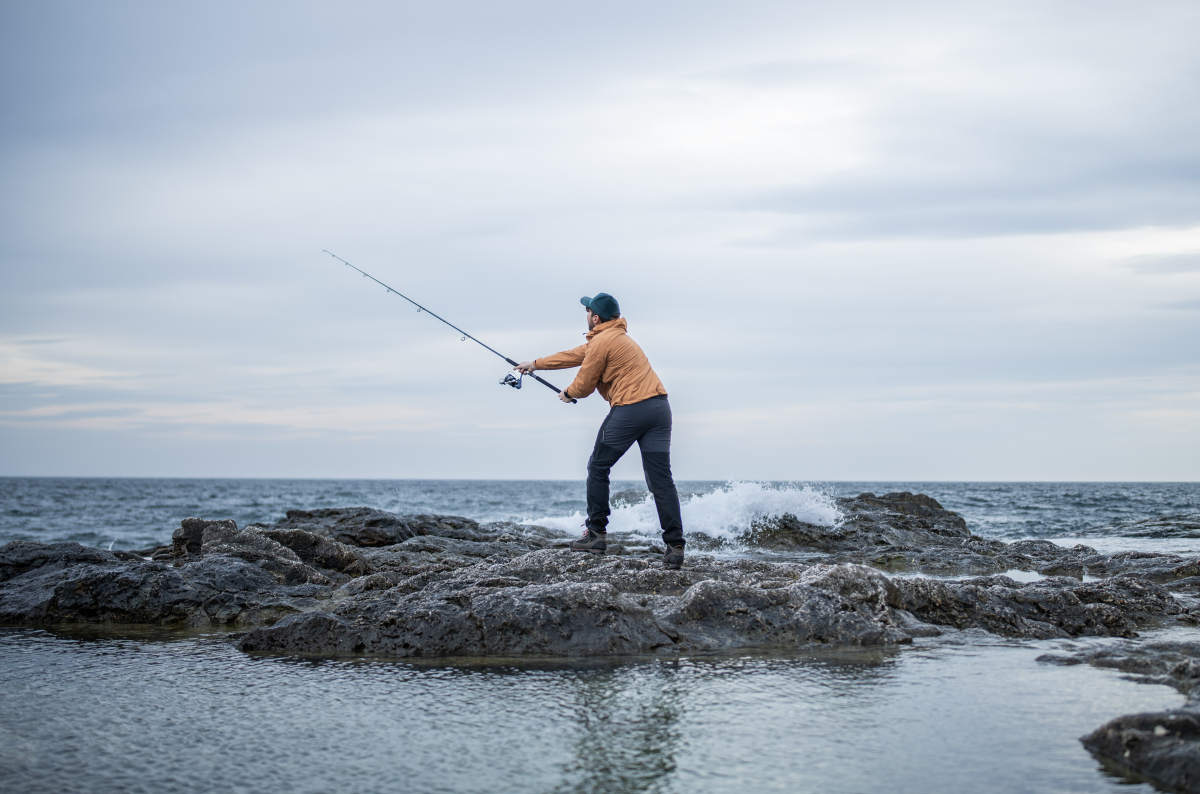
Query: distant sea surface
(129, 513)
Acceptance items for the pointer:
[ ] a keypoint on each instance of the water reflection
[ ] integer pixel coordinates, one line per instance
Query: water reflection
(627, 730)
(179, 711)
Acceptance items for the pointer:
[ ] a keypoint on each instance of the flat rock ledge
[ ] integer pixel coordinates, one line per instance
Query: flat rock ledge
(1162, 746)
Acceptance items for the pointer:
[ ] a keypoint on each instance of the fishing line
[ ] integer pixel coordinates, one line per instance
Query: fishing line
(509, 380)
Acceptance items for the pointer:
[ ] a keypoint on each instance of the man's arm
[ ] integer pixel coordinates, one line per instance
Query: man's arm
(589, 373)
(563, 360)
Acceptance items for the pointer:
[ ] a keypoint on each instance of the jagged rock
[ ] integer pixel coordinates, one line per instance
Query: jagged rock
(537, 604)
(1162, 746)
(895, 532)
(383, 580)
(1057, 607)
(530, 535)
(189, 537)
(711, 604)
(224, 538)
(906, 532)
(884, 516)
(75, 584)
(788, 533)
(901, 532)
(366, 526)
(21, 556)
(427, 552)
(320, 552)
(895, 520)
(1161, 568)
(1050, 559)
(505, 575)
(1174, 664)
(978, 558)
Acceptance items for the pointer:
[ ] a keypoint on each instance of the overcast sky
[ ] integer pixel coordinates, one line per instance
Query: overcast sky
(926, 241)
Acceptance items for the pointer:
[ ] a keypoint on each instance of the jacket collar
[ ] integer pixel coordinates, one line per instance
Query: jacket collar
(612, 325)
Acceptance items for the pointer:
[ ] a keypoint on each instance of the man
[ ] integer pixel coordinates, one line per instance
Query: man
(613, 363)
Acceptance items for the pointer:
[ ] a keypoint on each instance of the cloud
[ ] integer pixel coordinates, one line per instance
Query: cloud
(1160, 264)
(827, 225)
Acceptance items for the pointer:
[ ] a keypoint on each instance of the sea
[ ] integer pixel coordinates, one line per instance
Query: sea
(132, 709)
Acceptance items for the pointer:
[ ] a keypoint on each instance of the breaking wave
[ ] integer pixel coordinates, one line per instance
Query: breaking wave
(724, 513)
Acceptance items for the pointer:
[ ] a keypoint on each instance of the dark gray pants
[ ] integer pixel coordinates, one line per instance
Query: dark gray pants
(649, 424)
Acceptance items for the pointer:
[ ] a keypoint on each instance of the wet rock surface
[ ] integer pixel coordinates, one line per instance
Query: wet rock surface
(69, 583)
(553, 602)
(1162, 746)
(913, 533)
(364, 580)
(1056, 607)
(366, 526)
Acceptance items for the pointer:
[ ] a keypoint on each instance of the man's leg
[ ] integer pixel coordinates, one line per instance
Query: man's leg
(616, 435)
(655, 445)
(666, 498)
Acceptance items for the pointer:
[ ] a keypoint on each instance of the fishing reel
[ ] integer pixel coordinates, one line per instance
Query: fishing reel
(511, 380)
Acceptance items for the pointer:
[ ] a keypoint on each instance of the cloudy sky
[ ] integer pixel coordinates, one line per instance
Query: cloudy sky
(929, 240)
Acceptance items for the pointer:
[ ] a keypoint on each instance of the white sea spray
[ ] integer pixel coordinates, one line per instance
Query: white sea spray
(723, 513)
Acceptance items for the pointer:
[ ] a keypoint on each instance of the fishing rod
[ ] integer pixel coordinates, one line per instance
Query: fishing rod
(509, 380)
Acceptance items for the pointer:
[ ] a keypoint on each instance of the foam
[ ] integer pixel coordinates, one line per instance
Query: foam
(724, 513)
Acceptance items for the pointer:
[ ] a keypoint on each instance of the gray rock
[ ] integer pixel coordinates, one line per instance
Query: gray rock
(225, 539)
(1174, 664)
(894, 532)
(1058, 607)
(21, 556)
(366, 526)
(1162, 746)
(709, 605)
(320, 552)
(189, 538)
(552, 602)
(75, 584)
(906, 532)
(493, 583)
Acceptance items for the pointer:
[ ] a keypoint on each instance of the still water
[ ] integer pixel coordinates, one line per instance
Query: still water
(188, 712)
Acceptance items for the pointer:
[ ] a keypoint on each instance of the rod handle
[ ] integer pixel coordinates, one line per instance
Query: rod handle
(550, 385)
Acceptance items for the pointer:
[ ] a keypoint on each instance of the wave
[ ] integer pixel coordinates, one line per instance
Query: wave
(1183, 525)
(724, 513)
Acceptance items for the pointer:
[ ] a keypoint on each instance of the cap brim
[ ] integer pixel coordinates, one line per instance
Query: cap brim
(586, 301)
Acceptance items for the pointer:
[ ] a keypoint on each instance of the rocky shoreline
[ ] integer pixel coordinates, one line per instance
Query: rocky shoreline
(358, 580)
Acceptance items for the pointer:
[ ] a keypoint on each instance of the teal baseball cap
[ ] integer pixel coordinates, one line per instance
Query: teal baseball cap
(602, 304)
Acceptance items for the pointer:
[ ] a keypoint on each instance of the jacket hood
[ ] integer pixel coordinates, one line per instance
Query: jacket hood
(612, 325)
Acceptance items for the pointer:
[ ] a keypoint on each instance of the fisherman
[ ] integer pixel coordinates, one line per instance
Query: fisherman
(613, 363)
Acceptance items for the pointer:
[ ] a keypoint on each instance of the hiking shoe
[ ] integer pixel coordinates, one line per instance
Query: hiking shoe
(594, 542)
(673, 559)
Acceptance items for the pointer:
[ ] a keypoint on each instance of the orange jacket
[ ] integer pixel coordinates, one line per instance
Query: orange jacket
(609, 362)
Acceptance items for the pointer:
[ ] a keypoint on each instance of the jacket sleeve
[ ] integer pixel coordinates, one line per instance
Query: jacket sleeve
(589, 372)
(563, 360)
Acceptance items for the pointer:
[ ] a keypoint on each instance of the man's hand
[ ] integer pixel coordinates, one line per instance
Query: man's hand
(526, 367)
(562, 395)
